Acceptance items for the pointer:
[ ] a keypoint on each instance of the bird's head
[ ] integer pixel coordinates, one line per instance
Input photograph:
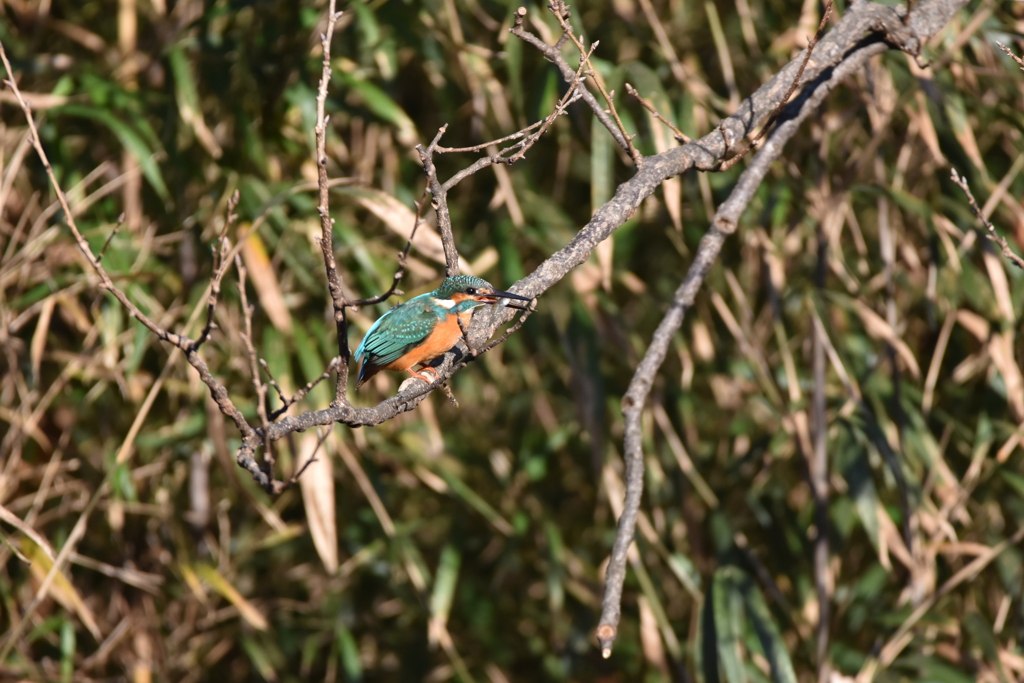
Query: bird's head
(465, 288)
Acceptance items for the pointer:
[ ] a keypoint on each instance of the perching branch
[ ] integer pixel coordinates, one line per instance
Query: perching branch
(839, 54)
(865, 26)
(680, 137)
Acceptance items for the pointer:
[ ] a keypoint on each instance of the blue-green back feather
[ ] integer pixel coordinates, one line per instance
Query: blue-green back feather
(407, 325)
(400, 330)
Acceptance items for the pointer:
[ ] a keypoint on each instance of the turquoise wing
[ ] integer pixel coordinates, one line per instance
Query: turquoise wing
(397, 332)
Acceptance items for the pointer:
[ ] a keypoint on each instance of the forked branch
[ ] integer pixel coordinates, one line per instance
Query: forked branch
(774, 117)
(273, 425)
(865, 30)
(723, 224)
(609, 119)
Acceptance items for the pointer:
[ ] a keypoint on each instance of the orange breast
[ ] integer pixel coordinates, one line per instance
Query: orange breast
(444, 337)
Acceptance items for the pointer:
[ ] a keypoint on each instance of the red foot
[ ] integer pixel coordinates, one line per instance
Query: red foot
(423, 377)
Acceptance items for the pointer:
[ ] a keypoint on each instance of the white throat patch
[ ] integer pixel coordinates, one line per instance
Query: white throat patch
(444, 303)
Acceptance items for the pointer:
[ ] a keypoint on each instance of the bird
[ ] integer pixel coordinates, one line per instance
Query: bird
(425, 327)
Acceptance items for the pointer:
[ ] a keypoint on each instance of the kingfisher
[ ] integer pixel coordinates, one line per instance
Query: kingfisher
(425, 327)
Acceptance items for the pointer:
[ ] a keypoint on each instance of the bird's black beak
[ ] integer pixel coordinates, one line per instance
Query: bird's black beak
(497, 295)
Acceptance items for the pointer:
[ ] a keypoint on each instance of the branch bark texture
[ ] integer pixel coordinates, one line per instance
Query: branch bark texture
(844, 51)
(866, 30)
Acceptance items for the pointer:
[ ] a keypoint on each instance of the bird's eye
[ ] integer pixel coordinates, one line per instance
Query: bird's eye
(471, 290)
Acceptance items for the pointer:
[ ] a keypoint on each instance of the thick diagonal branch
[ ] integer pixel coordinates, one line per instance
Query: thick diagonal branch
(723, 224)
(864, 24)
(861, 33)
(865, 27)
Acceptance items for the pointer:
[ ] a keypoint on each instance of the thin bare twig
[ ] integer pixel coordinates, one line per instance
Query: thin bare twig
(273, 382)
(439, 200)
(474, 352)
(257, 383)
(570, 96)
(288, 402)
(990, 230)
(484, 145)
(334, 284)
(220, 266)
(532, 306)
(554, 54)
(1008, 51)
(312, 458)
(439, 191)
(774, 116)
(680, 137)
(508, 156)
(110, 237)
(505, 156)
(471, 351)
(561, 12)
(403, 259)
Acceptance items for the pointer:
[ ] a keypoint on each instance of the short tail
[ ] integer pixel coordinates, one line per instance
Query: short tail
(365, 373)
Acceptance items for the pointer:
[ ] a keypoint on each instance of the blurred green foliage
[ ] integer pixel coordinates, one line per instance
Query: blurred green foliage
(483, 560)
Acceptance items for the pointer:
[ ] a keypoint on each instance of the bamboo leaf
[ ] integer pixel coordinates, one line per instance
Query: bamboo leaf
(382, 105)
(727, 603)
(130, 140)
(220, 584)
(317, 484)
(441, 598)
(61, 588)
(768, 633)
